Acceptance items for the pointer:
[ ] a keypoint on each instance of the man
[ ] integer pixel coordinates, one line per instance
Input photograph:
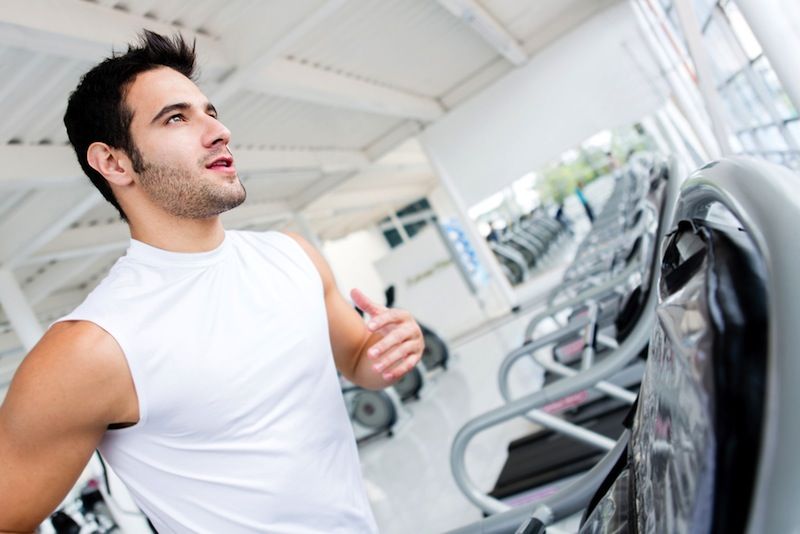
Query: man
(202, 366)
(585, 203)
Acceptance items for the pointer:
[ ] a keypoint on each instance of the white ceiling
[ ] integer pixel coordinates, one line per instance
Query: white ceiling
(322, 97)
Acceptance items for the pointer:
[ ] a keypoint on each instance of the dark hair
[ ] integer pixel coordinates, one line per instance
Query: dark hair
(96, 111)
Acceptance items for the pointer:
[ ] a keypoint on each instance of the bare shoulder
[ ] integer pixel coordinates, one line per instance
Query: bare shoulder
(80, 346)
(75, 360)
(68, 389)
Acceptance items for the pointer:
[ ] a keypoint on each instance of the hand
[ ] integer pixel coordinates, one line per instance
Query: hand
(402, 344)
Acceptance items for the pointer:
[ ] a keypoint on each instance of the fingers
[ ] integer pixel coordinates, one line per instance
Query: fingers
(387, 317)
(400, 360)
(367, 305)
(399, 350)
(392, 335)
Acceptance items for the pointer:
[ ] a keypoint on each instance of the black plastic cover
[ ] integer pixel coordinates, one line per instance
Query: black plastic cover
(696, 434)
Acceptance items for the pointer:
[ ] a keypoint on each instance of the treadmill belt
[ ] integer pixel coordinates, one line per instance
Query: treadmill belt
(546, 456)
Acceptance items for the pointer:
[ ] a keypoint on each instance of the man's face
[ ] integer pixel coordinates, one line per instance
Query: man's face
(181, 157)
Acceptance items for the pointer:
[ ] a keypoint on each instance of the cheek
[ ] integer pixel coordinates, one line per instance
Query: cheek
(173, 151)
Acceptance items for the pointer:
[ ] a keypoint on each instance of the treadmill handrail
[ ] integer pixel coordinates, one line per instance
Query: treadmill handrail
(614, 362)
(571, 497)
(606, 287)
(613, 244)
(550, 421)
(531, 348)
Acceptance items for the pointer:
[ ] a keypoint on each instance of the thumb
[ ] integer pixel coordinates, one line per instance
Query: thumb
(363, 302)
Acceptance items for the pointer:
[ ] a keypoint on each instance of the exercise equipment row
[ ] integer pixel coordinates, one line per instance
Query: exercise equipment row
(708, 445)
(580, 330)
(525, 244)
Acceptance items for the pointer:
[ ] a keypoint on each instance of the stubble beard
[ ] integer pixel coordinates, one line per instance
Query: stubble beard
(185, 194)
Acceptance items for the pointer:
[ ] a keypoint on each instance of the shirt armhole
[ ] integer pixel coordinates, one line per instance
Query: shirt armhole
(133, 369)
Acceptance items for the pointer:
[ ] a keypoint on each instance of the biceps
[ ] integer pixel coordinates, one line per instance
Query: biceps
(41, 454)
(37, 477)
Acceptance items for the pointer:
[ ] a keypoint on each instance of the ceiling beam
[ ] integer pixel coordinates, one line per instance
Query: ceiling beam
(40, 218)
(57, 305)
(318, 189)
(392, 138)
(568, 19)
(93, 240)
(240, 77)
(325, 160)
(387, 195)
(65, 254)
(261, 213)
(484, 24)
(10, 200)
(31, 106)
(385, 173)
(61, 274)
(300, 81)
(271, 73)
(341, 226)
(87, 31)
(29, 166)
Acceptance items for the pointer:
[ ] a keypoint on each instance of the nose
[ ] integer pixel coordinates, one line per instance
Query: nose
(216, 133)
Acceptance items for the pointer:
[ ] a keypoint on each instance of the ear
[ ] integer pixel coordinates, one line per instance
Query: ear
(109, 162)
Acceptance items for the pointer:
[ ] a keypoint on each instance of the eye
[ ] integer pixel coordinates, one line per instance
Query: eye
(178, 117)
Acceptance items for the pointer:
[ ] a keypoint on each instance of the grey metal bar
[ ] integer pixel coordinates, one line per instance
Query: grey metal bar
(605, 287)
(575, 497)
(565, 502)
(587, 358)
(571, 430)
(627, 351)
(606, 387)
(614, 362)
(529, 348)
(502, 523)
(597, 249)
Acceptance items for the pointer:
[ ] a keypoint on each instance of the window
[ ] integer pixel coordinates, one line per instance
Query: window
(726, 62)
(760, 114)
(777, 95)
(413, 218)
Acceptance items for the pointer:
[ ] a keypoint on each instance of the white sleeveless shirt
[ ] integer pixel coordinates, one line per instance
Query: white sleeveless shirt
(242, 426)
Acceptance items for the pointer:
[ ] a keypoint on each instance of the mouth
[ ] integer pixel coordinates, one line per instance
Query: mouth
(222, 163)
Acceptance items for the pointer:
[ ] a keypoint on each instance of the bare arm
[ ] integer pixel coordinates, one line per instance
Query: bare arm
(372, 356)
(70, 387)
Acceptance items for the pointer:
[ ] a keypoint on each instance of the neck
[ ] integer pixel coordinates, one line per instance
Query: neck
(181, 235)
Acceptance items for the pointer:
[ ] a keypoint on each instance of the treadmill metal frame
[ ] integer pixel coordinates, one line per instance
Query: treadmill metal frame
(614, 362)
(762, 197)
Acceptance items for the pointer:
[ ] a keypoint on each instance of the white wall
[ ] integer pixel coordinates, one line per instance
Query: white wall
(351, 259)
(491, 295)
(590, 79)
(429, 284)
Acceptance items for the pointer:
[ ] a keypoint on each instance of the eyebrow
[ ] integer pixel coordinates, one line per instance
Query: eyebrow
(182, 106)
